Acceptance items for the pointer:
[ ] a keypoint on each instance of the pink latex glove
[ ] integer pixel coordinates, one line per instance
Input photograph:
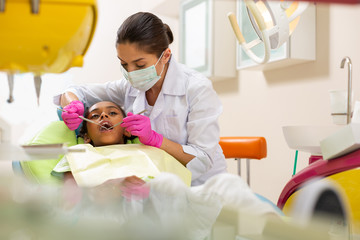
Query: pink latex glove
(139, 125)
(71, 116)
(131, 188)
(134, 188)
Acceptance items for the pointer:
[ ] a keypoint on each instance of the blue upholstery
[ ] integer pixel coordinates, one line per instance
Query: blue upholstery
(16, 166)
(262, 198)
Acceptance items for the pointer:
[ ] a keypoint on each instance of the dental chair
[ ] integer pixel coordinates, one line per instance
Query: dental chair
(247, 148)
(344, 172)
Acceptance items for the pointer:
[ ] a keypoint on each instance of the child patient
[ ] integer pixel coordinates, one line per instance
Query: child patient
(106, 114)
(107, 158)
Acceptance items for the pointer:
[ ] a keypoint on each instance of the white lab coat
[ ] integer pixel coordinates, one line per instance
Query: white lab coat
(186, 111)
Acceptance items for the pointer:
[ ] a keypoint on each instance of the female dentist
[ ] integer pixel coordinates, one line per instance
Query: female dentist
(182, 107)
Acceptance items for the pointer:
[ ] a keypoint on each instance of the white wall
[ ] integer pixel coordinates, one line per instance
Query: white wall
(101, 63)
(260, 103)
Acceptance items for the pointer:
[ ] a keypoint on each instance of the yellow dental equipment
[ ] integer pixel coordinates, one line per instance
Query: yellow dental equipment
(50, 36)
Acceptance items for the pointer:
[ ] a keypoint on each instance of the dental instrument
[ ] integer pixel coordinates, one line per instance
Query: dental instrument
(35, 5)
(40, 151)
(88, 120)
(122, 121)
(37, 83)
(11, 87)
(2, 5)
(11, 152)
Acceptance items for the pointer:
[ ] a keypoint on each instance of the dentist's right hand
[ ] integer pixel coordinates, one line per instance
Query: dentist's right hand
(71, 114)
(139, 125)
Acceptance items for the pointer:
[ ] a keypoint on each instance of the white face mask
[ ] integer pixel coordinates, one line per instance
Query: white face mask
(143, 79)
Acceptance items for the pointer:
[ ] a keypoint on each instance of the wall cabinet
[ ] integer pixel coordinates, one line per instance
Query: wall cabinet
(207, 43)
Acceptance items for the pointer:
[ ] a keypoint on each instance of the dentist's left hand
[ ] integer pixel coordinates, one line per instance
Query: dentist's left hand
(139, 125)
(71, 114)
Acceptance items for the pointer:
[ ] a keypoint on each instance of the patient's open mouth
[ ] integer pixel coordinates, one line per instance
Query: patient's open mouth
(105, 126)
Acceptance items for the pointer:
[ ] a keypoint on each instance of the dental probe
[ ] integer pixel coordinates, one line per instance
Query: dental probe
(11, 87)
(85, 119)
(122, 121)
(37, 82)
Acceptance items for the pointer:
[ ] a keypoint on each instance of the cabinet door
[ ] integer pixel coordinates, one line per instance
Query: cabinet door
(207, 41)
(195, 35)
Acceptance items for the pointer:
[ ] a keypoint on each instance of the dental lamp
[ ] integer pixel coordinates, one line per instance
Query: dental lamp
(47, 37)
(273, 22)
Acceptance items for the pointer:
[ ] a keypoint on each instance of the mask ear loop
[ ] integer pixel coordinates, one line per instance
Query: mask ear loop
(158, 62)
(159, 58)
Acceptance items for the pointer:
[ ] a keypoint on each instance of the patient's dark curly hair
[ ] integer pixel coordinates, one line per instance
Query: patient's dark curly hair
(83, 129)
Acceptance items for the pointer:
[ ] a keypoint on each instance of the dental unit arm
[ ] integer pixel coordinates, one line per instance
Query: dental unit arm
(50, 36)
(273, 22)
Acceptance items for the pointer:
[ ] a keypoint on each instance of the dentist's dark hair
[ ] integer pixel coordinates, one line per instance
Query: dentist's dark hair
(147, 31)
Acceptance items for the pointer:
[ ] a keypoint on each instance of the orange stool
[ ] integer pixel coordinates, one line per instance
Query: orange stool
(244, 147)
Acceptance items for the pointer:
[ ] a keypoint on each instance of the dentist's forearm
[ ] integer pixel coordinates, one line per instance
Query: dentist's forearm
(66, 98)
(176, 150)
